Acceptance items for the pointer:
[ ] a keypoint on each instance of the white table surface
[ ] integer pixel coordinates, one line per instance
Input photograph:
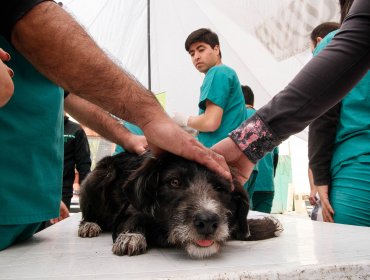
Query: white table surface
(305, 250)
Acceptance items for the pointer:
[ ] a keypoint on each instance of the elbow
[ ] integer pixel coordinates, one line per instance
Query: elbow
(213, 125)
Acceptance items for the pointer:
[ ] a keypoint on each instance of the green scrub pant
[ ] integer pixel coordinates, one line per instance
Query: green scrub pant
(350, 194)
(11, 234)
(262, 201)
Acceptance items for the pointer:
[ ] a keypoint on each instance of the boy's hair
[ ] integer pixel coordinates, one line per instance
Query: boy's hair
(248, 95)
(203, 35)
(323, 29)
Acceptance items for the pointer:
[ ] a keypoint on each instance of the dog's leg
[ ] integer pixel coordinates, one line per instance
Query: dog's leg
(264, 228)
(88, 229)
(130, 244)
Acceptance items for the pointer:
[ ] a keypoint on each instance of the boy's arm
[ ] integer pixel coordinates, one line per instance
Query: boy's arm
(209, 121)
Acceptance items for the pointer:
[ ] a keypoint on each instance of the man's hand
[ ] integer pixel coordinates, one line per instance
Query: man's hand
(235, 158)
(64, 213)
(163, 134)
(6, 83)
(312, 197)
(136, 144)
(327, 210)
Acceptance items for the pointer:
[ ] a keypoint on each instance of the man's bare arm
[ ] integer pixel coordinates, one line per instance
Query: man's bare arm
(61, 49)
(101, 122)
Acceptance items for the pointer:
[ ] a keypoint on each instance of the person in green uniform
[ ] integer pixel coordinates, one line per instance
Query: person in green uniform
(221, 103)
(261, 192)
(349, 195)
(31, 143)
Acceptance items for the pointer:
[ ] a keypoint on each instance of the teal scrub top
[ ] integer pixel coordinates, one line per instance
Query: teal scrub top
(31, 146)
(352, 143)
(221, 86)
(133, 129)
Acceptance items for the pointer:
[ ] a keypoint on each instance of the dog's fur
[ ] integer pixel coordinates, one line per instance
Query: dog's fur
(166, 202)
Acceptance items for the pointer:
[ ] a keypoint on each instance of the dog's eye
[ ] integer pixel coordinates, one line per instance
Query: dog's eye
(175, 182)
(220, 188)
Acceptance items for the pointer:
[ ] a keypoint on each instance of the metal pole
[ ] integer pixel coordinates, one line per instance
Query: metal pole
(148, 37)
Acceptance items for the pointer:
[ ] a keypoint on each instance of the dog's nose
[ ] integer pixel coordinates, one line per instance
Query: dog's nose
(206, 223)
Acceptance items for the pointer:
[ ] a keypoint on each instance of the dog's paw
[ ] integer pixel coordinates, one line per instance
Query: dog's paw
(88, 229)
(129, 244)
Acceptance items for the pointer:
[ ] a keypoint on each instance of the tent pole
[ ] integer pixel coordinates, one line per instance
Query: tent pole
(148, 37)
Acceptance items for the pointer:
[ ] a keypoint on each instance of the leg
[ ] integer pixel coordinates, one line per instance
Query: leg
(11, 234)
(350, 194)
(262, 201)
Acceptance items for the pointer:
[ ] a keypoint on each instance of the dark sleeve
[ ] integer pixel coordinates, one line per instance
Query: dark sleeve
(321, 84)
(11, 11)
(82, 154)
(321, 140)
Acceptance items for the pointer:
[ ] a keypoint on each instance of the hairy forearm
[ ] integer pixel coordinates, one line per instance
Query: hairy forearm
(61, 49)
(96, 119)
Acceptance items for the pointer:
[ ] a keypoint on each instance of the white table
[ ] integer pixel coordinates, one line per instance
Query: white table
(305, 250)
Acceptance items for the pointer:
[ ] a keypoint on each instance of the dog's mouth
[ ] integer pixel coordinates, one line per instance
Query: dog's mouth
(204, 242)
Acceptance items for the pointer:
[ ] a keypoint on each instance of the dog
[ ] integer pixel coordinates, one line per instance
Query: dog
(166, 202)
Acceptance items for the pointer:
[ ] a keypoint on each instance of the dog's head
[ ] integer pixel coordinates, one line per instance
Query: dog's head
(194, 205)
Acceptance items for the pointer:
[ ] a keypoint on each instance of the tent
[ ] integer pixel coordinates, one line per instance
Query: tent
(265, 41)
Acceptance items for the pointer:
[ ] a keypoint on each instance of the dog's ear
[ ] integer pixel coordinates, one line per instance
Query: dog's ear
(241, 207)
(141, 185)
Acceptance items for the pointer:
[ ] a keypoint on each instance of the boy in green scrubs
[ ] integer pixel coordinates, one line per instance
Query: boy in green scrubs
(221, 102)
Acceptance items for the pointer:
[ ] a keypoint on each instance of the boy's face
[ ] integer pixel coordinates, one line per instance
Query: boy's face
(203, 56)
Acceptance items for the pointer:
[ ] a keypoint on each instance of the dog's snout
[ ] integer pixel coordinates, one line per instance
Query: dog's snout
(206, 223)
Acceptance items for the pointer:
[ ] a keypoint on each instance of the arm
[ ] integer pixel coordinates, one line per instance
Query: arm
(321, 84)
(101, 122)
(321, 140)
(81, 67)
(6, 83)
(209, 121)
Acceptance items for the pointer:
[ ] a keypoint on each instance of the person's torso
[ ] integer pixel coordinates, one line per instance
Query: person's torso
(353, 130)
(221, 86)
(31, 143)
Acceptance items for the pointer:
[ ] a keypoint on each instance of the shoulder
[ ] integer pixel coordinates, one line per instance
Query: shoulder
(221, 72)
(222, 68)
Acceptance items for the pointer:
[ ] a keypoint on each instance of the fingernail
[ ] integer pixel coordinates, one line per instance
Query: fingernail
(11, 72)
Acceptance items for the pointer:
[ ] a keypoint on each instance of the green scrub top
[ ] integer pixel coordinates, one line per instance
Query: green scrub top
(352, 143)
(31, 146)
(221, 86)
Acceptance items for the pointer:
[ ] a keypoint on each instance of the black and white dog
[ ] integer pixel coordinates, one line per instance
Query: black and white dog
(166, 202)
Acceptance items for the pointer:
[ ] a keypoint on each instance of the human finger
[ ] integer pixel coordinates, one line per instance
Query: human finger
(4, 56)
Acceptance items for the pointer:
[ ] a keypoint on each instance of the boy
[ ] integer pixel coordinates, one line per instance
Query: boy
(221, 102)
